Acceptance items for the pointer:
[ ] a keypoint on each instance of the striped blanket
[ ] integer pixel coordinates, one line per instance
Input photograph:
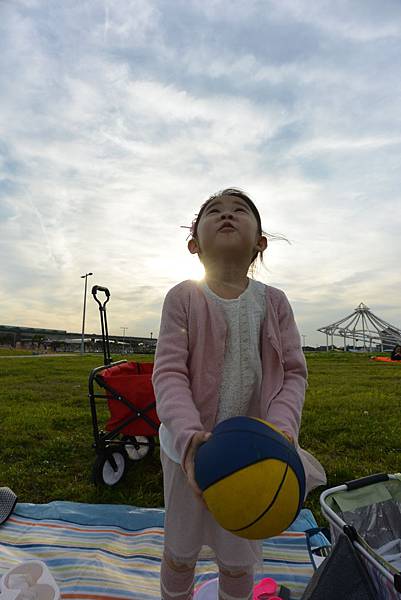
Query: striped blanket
(110, 552)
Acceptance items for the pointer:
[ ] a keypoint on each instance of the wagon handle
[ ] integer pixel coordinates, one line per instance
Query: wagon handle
(103, 320)
(100, 288)
(363, 481)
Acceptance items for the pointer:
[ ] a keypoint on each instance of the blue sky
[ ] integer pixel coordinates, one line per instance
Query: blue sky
(117, 119)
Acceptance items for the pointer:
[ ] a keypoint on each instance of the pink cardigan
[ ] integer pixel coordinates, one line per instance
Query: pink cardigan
(189, 364)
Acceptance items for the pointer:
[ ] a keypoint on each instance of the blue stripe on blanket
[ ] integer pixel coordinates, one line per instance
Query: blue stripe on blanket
(113, 552)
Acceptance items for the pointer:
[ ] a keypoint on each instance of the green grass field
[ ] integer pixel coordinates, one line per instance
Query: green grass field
(350, 423)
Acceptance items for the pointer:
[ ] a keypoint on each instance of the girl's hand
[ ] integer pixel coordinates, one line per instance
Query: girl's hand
(189, 463)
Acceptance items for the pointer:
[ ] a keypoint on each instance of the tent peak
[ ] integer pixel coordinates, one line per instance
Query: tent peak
(363, 307)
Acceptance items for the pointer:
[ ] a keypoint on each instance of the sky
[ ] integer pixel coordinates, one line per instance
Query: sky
(119, 118)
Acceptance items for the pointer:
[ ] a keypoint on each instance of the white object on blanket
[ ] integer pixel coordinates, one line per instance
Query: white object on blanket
(207, 590)
(30, 580)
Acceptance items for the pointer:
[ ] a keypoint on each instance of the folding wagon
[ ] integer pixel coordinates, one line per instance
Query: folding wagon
(368, 511)
(130, 431)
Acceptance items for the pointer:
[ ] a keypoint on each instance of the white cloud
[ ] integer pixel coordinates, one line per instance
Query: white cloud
(358, 21)
(130, 23)
(118, 120)
(346, 144)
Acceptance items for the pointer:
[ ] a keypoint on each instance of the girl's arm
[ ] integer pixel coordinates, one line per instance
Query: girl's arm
(285, 410)
(170, 379)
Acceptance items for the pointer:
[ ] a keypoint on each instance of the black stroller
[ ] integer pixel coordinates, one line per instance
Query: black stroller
(130, 431)
(368, 511)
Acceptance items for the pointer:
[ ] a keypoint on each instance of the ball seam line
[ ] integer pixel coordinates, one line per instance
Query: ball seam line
(268, 508)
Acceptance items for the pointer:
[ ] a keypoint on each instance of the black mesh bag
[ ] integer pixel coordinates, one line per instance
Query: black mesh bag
(7, 502)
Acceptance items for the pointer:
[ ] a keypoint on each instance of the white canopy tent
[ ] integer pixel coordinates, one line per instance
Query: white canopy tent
(363, 326)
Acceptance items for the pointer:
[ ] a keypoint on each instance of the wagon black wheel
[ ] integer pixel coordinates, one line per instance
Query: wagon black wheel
(139, 446)
(110, 467)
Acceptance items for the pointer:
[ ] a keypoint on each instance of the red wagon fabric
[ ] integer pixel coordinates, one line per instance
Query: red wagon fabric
(131, 382)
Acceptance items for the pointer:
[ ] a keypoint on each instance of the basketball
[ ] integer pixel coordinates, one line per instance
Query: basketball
(252, 478)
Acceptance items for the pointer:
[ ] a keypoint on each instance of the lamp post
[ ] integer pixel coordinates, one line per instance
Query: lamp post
(83, 316)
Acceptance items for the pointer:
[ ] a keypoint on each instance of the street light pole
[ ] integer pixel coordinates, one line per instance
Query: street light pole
(83, 316)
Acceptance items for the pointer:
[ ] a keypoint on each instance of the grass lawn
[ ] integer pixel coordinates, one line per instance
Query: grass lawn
(350, 423)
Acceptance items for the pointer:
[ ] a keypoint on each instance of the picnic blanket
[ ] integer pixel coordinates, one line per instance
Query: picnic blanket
(113, 552)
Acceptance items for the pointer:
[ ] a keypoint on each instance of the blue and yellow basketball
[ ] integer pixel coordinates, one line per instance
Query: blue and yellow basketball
(251, 476)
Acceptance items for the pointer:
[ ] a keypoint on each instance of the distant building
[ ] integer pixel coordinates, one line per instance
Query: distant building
(60, 340)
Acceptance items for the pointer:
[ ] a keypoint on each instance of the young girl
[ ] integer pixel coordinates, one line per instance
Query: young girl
(227, 346)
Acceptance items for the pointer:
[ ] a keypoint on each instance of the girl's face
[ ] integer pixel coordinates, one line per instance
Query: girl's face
(229, 228)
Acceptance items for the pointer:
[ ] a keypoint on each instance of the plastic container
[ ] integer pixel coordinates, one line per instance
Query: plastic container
(266, 589)
(30, 579)
(208, 590)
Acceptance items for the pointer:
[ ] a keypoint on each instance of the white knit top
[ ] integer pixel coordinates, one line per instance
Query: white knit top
(242, 371)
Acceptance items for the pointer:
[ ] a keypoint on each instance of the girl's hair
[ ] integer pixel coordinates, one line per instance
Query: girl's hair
(239, 194)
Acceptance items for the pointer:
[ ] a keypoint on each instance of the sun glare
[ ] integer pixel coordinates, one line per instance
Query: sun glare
(190, 268)
(187, 267)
